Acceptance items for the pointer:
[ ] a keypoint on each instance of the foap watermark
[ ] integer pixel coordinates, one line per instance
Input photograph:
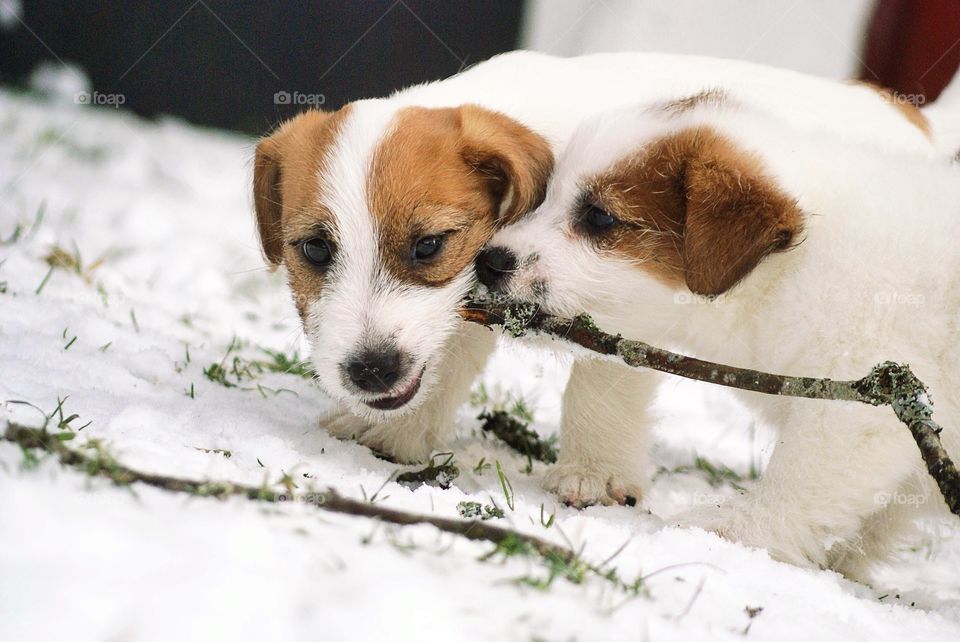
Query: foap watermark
(312, 498)
(701, 498)
(298, 98)
(691, 298)
(917, 100)
(99, 99)
(911, 299)
(899, 499)
(709, 499)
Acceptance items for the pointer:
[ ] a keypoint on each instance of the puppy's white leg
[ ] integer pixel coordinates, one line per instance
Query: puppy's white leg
(834, 467)
(343, 424)
(879, 535)
(604, 454)
(412, 436)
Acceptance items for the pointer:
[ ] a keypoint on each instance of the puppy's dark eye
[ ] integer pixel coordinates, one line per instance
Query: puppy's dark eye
(317, 251)
(427, 247)
(597, 219)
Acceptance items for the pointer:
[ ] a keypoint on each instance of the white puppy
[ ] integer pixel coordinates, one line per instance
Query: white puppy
(715, 225)
(377, 211)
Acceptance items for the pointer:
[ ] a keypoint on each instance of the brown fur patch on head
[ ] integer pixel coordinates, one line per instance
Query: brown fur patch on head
(693, 208)
(715, 97)
(909, 111)
(285, 188)
(452, 172)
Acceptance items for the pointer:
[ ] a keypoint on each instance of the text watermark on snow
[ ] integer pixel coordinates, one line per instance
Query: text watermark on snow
(298, 98)
(711, 499)
(706, 499)
(314, 499)
(99, 99)
(910, 299)
(899, 499)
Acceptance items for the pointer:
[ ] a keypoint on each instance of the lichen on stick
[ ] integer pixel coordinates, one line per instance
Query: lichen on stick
(887, 384)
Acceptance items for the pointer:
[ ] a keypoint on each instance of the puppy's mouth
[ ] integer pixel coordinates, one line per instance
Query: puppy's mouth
(399, 399)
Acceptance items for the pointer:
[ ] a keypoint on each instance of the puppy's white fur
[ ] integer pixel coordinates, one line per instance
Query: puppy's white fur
(876, 277)
(551, 96)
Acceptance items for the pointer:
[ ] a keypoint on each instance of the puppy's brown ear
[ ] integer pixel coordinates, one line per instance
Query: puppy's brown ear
(514, 161)
(285, 165)
(735, 214)
(268, 197)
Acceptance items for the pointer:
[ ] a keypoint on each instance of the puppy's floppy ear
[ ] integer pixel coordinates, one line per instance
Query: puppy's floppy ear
(297, 146)
(514, 161)
(735, 214)
(268, 197)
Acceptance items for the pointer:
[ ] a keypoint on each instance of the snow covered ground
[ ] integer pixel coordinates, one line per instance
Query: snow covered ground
(165, 277)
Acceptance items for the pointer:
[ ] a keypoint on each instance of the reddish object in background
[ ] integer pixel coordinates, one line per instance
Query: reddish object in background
(913, 47)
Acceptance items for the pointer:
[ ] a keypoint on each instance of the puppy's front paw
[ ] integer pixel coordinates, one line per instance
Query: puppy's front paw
(784, 539)
(399, 442)
(396, 440)
(580, 486)
(344, 425)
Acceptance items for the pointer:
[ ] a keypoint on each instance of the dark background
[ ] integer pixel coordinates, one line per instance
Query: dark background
(220, 62)
(913, 46)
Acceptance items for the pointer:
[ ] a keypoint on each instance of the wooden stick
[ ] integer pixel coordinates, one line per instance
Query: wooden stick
(95, 462)
(888, 384)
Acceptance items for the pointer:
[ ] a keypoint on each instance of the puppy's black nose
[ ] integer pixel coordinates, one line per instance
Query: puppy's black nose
(494, 264)
(374, 371)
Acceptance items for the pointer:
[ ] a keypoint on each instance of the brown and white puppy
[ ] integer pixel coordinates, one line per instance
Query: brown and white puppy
(378, 209)
(716, 225)
(377, 294)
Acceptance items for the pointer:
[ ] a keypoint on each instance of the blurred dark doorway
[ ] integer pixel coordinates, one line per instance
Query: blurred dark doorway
(221, 62)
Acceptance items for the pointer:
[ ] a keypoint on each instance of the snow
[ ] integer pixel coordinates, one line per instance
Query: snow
(166, 207)
(11, 14)
(60, 81)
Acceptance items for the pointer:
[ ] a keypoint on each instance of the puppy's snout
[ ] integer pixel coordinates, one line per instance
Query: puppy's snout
(374, 371)
(494, 265)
